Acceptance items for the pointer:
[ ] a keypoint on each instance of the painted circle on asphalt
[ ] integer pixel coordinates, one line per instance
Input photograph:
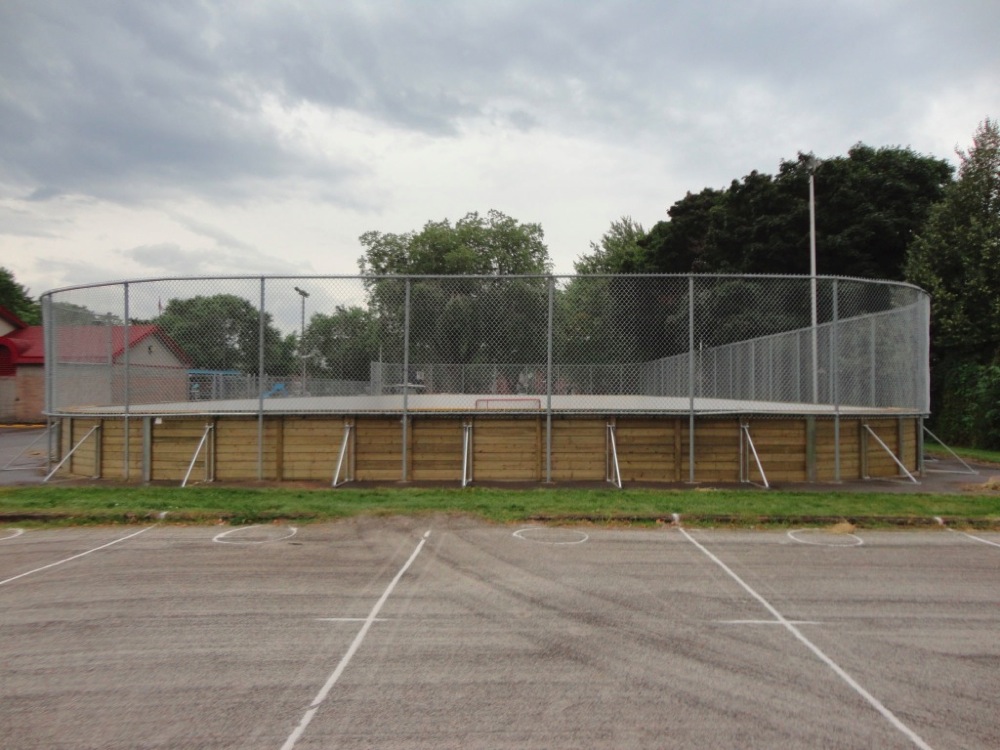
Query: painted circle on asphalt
(547, 535)
(258, 534)
(824, 538)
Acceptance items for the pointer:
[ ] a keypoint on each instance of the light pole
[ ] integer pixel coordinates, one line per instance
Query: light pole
(303, 294)
(811, 164)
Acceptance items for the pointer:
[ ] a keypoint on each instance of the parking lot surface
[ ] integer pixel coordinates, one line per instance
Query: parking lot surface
(442, 632)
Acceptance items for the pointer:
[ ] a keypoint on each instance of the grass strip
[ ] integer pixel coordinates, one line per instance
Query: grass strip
(976, 455)
(241, 505)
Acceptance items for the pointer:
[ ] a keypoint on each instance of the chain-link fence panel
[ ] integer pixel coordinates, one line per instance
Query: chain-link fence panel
(590, 344)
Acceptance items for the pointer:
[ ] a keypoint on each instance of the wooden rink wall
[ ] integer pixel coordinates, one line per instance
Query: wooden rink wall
(504, 448)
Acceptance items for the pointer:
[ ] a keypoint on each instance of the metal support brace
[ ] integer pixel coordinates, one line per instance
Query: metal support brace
(344, 444)
(969, 469)
(9, 466)
(744, 458)
(208, 459)
(91, 431)
(466, 453)
(891, 454)
(612, 471)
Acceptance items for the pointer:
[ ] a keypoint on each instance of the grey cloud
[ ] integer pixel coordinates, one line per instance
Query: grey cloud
(221, 237)
(126, 101)
(171, 259)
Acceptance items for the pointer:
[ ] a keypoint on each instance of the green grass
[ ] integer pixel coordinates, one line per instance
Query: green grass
(240, 505)
(979, 455)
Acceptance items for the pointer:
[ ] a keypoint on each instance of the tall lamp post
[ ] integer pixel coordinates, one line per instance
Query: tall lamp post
(302, 355)
(811, 164)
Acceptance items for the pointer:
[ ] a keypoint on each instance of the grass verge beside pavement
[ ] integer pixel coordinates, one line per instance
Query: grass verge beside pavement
(32, 505)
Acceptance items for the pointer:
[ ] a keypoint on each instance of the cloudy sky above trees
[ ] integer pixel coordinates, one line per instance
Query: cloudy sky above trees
(191, 137)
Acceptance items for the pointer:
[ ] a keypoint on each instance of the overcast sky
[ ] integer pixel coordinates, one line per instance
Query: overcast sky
(187, 137)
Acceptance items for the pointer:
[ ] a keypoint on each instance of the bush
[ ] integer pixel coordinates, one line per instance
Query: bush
(966, 400)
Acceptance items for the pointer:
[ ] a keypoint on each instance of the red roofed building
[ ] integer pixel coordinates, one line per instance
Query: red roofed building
(22, 372)
(89, 367)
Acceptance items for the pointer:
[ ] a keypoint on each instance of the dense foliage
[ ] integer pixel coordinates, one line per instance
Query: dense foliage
(957, 259)
(870, 205)
(15, 298)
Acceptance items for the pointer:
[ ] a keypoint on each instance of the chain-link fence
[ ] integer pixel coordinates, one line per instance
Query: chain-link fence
(589, 344)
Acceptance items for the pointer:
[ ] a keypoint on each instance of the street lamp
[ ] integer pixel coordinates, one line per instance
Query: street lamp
(811, 164)
(303, 294)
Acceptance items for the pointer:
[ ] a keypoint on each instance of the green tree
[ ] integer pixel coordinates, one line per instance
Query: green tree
(957, 259)
(16, 298)
(619, 250)
(221, 332)
(869, 206)
(494, 245)
(341, 346)
(464, 307)
(957, 255)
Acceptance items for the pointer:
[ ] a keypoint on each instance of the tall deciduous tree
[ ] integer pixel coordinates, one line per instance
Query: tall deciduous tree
(957, 255)
(619, 250)
(475, 315)
(869, 206)
(492, 245)
(341, 346)
(957, 259)
(16, 298)
(222, 332)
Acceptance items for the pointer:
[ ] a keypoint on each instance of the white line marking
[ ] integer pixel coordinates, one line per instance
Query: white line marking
(355, 645)
(349, 619)
(74, 557)
(767, 622)
(792, 532)
(17, 533)
(978, 539)
(220, 537)
(583, 535)
(872, 700)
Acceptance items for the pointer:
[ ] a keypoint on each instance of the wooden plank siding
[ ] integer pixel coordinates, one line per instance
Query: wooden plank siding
(579, 449)
(308, 447)
(438, 450)
(505, 448)
(378, 443)
(781, 447)
(648, 449)
(717, 450)
(508, 449)
(175, 442)
(113, 449)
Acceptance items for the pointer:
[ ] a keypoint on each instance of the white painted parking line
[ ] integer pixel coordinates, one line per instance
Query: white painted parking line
(788, 625)
(355, 645)
(75, 557)
(768, 622)
(978, 539)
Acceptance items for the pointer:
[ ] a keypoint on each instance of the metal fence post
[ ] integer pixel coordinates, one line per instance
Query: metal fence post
(260, 384)
(406, 378)
(548, 386)
(834, 334)
(871, 362)
(691, 379)
(48, 333)
(127, 344)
